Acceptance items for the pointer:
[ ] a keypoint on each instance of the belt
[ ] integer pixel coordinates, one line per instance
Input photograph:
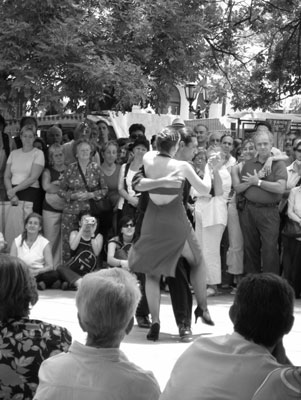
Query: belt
(261, 205)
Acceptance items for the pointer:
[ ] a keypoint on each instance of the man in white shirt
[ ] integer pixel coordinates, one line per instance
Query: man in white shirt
(232, 367)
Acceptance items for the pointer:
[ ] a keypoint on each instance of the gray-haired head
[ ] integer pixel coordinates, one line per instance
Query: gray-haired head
(106, 303)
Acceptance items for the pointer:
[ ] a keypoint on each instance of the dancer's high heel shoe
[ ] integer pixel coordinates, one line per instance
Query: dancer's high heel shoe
(153, 333)
(204, 315)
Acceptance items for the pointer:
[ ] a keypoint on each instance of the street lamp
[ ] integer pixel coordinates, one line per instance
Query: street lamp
(191, 92)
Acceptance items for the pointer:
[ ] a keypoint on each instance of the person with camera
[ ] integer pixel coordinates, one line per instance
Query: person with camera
(85, 247)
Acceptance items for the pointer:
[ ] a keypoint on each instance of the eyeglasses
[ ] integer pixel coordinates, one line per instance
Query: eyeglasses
(215, 140)
(129, 225)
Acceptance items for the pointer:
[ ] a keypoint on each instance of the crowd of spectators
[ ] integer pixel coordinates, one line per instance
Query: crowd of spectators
(64, 240)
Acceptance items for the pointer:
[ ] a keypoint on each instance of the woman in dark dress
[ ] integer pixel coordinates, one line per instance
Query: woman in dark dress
(166, 232)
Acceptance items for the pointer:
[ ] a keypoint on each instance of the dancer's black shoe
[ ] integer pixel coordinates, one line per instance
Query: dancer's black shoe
(153, 333)
(204, 315)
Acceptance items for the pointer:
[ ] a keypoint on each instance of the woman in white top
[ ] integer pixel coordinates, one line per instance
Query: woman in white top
(23, 169)
(34, 249)
(129, 201)
(210, 221)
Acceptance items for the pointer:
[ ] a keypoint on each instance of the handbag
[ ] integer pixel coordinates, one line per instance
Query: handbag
(97, 207)
(55, 201)
(291, 229)
(83, 263)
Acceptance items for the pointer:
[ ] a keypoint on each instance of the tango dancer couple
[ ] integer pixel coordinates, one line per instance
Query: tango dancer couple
(166, 232)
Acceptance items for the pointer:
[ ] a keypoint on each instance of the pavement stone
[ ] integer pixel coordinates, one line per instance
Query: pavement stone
(58, 307)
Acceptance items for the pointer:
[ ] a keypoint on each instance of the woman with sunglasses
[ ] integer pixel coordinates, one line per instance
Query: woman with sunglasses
(118, 251)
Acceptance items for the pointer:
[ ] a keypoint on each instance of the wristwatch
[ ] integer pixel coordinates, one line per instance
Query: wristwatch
(259, 182)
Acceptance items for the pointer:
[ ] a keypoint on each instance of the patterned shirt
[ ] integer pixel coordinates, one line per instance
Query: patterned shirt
(24, 345)
(72, 182)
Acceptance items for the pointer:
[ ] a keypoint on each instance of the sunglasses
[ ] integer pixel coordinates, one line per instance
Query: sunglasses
(130, 225)
(215, 140)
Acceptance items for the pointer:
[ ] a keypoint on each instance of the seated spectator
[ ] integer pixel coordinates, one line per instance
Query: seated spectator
(85, 248)
(35, 250)
(118, 251)
(232, 367)
(106, 303)
(281, 384)
(24, 342)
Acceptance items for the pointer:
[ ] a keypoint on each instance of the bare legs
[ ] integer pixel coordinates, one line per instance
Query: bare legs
(197, 277)
(152, 290)
(198, 281)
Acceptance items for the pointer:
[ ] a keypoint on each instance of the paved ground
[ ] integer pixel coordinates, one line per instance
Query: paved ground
(58, 307)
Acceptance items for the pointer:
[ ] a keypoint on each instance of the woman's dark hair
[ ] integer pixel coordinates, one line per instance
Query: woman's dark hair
(122, 222)
(263, 308)
(28, 120)
(141, 141)
(167, 138)
(31, 215)
(136, 127)
(18, 288)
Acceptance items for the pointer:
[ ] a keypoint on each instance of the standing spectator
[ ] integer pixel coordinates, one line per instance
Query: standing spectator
(292, 271)
(35, 250)
(128, 198)
(23, 169)
(53, 204)
(54, 135)
(106, 303)
(25, 342)
(5, 149)
(227, 146)
(29, 122)
(73, 190)
(81, 131)
(260, 217)
(211, 216)
(111, 172)
(201, 132)
(235, 252)
(135, 131)
(214, 139)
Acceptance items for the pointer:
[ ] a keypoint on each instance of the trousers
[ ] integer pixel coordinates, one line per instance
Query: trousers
(260, 228)
(180, 293)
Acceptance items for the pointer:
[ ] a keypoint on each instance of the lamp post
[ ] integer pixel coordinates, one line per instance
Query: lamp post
(191, 92)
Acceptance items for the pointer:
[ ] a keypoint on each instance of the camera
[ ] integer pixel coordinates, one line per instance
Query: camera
(90, 220)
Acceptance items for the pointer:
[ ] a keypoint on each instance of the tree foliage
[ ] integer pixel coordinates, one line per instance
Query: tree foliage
(116, 53)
